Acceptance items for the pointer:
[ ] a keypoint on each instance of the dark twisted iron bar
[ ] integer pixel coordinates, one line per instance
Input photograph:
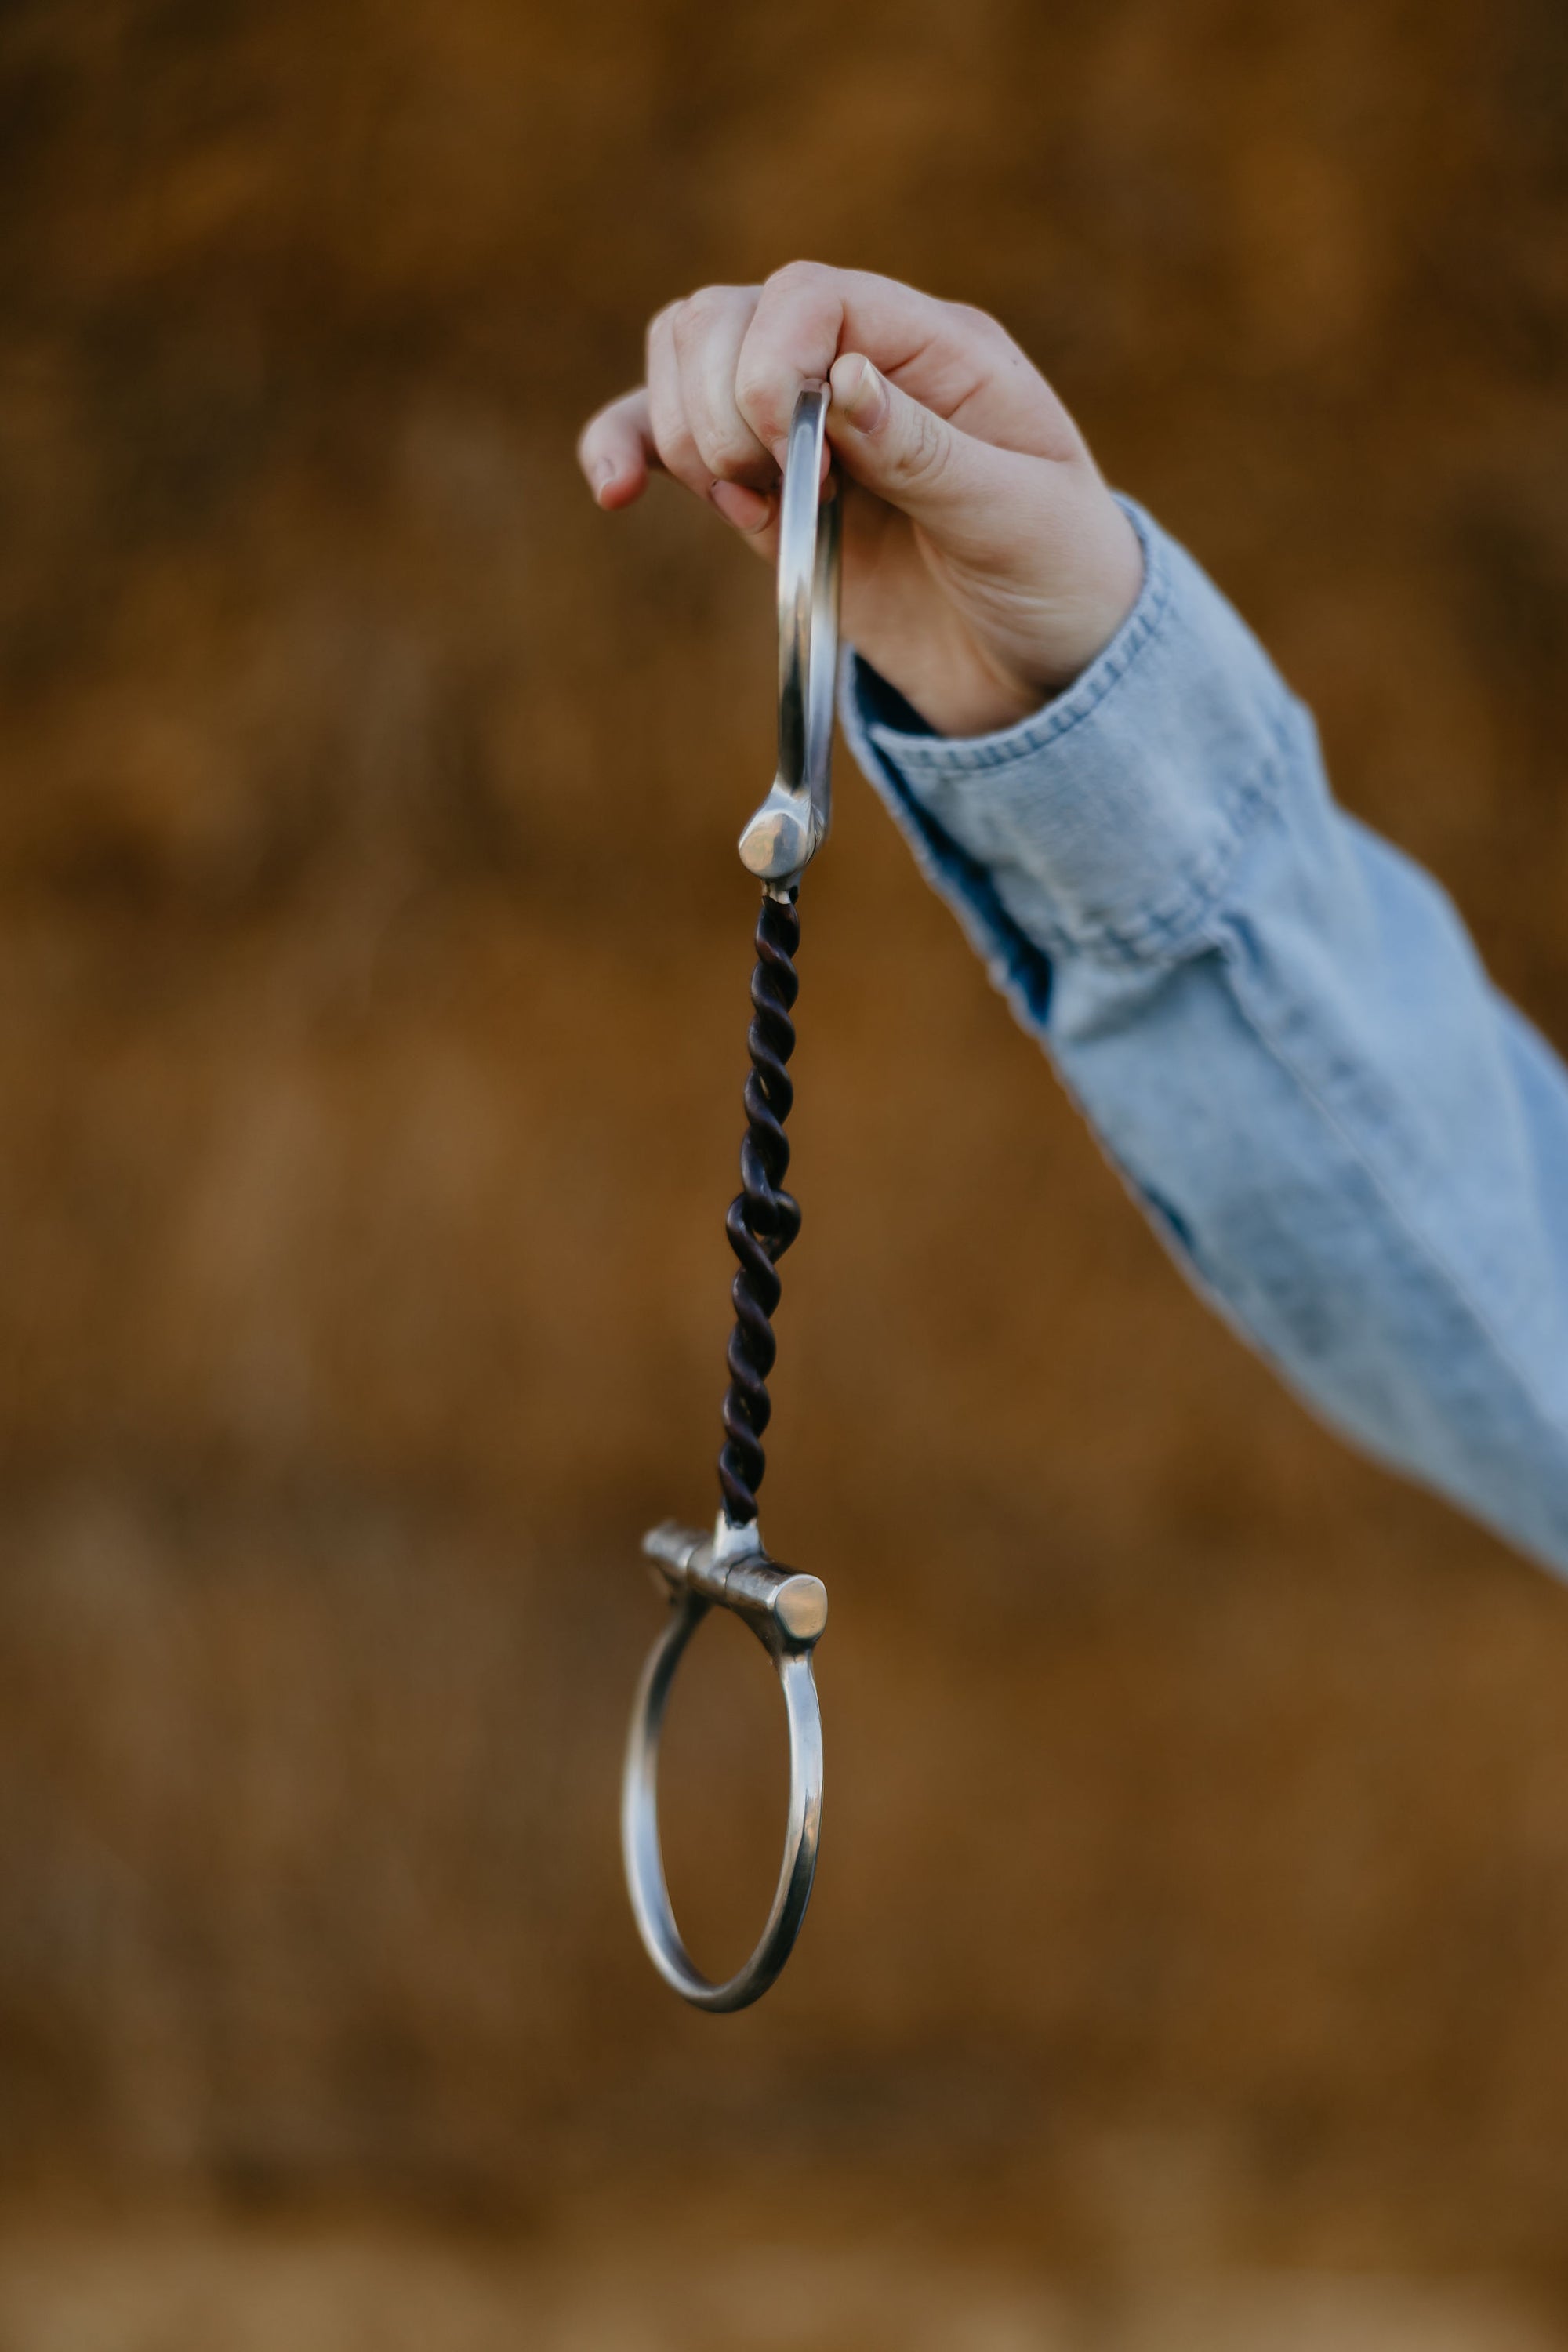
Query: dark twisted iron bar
(763, 1218)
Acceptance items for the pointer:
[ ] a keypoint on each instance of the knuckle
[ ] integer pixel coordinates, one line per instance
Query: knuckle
(692, 320)
(673, 438)
(924, 452)
(662, 323)
(984, 336)
(682, 456)
(756, 389)
(704, 308)
(728, 453)
(766, 408)
(800, 278)
(981, 322)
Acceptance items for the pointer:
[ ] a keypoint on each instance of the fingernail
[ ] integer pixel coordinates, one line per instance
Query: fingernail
(861, 394)
(603, 475)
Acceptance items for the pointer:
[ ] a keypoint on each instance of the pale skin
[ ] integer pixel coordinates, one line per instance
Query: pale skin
(986, 563)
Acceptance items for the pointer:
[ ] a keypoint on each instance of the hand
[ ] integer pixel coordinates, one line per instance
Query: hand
(986, 563)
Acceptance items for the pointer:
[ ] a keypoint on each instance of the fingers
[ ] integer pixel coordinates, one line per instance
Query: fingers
(685, 420)
(615, 450)
(725, 366)
(618, 450)
(968, 495)
(951, 357)
(673, 436)
(708, 331)
(697, 429)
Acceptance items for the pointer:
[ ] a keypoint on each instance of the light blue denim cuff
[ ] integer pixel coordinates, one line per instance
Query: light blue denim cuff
(1108, 823)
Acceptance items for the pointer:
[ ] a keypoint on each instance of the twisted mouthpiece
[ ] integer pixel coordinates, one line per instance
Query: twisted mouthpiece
(763, 1218)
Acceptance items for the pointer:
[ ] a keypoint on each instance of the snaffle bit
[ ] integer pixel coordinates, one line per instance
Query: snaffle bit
(730, 1568)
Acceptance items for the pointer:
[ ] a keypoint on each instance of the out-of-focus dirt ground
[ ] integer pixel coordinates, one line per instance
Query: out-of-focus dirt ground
(348, 2289)
(1189, 1961)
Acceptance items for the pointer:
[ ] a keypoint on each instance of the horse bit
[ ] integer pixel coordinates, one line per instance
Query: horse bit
(730, 1568)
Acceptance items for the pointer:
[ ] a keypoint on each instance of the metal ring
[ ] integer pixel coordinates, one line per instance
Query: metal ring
(780, 840)
(788, 1613)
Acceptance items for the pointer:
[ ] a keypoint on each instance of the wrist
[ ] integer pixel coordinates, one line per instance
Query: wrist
(981, 639)
(967, 679)
(1104, 560)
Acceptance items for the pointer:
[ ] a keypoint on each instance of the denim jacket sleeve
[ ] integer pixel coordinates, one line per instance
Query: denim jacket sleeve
(1281, 1033)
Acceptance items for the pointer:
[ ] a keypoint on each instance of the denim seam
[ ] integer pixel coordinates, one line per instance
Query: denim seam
(1169, 928)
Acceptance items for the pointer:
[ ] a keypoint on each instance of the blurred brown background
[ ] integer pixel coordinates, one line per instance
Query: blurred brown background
(1194, 1892)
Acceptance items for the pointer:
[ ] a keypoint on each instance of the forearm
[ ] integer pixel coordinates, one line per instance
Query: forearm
(1283, 1036)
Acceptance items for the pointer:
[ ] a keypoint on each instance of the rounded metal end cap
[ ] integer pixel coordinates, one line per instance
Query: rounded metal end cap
(801, 1607)
(774, 845)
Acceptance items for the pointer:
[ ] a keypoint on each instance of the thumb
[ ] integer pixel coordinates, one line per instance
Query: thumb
(941, 477)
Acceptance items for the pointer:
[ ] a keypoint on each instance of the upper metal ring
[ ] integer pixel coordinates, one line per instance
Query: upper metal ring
(781, 839)
(788, 1613)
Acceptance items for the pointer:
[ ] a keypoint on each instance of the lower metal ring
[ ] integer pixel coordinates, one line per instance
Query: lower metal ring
(791, 1654)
